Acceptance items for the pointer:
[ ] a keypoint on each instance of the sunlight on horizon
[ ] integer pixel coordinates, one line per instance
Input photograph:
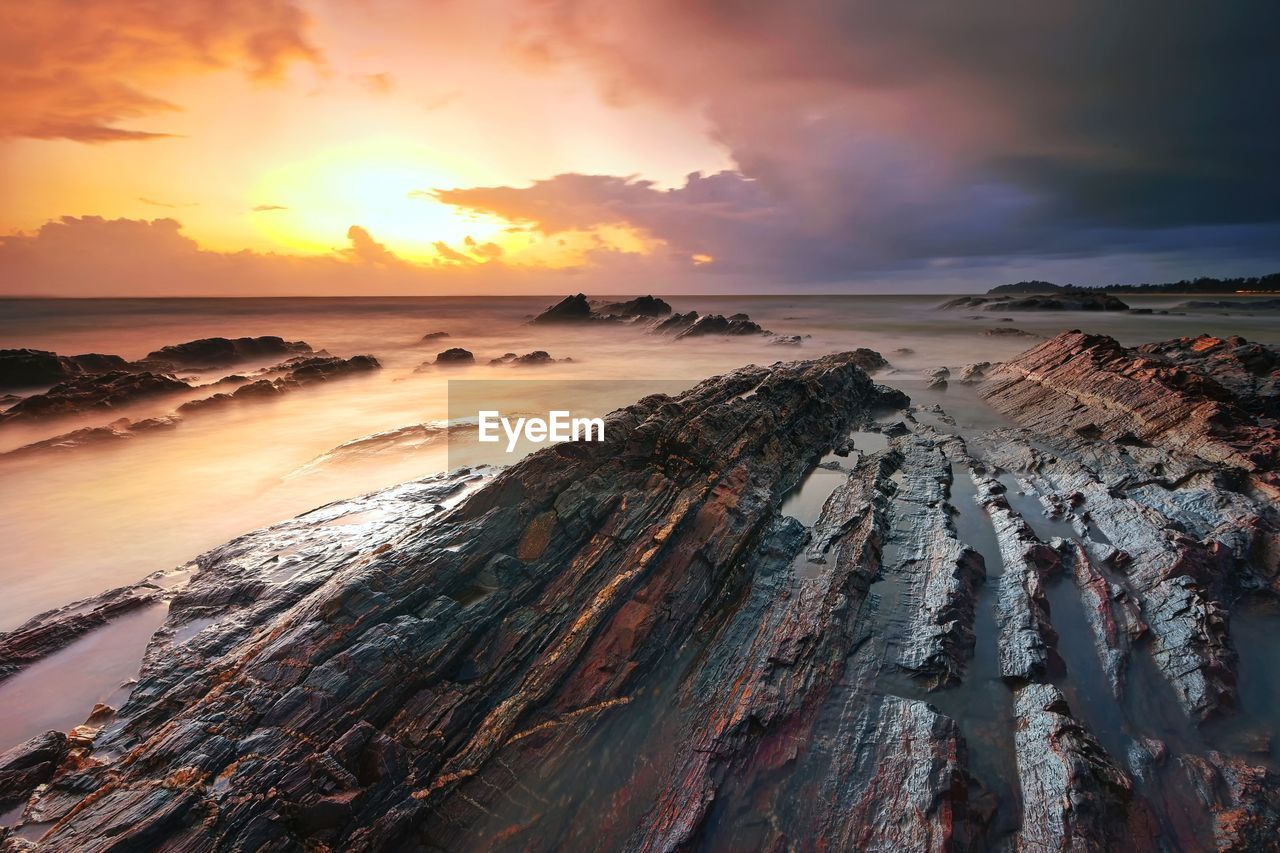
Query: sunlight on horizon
(382, 186)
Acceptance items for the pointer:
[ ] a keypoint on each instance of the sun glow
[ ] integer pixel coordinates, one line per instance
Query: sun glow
(307, 206)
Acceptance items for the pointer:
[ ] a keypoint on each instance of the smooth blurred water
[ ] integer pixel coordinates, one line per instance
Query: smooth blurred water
(76, 523)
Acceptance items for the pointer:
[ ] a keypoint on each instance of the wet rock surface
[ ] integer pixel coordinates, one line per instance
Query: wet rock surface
(979, 637)
(1251, 371)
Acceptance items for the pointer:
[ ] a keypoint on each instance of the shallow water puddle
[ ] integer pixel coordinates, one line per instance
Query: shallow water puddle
(58, 693)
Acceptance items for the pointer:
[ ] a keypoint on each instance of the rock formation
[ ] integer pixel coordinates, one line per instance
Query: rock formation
(1064, 300)
(1019, 638)
(94, 392)
(455, 357)
(31, 368)
(224, 352)
(536, 358)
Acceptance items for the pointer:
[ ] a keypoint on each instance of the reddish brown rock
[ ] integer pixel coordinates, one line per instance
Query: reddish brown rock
(1093, 386)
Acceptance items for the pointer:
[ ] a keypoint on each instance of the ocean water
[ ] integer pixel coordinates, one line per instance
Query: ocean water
(75, 523)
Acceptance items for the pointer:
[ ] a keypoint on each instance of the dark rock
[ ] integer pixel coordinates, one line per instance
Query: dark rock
(642, 306)
(32, 368)
(321, 368)
(455, 357)
(1006, 332)
(1026, 287)
(433, 336)
(571, 309)
(716, 324)
(93, 392)
(532, 359)
(27, 765)
(222, 352)
(677, 323)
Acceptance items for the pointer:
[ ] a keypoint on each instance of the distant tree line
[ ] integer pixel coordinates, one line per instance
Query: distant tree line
(1255, 284)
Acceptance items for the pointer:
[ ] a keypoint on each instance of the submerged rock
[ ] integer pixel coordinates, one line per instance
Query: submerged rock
(93, 392)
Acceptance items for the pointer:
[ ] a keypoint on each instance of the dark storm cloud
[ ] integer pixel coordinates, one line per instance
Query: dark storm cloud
(873, 134)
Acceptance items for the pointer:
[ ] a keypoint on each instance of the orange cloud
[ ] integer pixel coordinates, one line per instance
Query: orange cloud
(366, 250)
(76, 70)
(448, 253)
(93, 256)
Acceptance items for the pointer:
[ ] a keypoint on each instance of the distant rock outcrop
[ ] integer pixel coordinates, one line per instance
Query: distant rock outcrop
(571, 309)
(641, 306)
(1026, 287)
(223, 352)
(578, 309)
(1064, 300)
(531, 359)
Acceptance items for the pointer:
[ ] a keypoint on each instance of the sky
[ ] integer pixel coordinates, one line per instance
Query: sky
(318, 147)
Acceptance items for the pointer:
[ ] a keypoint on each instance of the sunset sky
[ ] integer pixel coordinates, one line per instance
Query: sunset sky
(204, 147)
